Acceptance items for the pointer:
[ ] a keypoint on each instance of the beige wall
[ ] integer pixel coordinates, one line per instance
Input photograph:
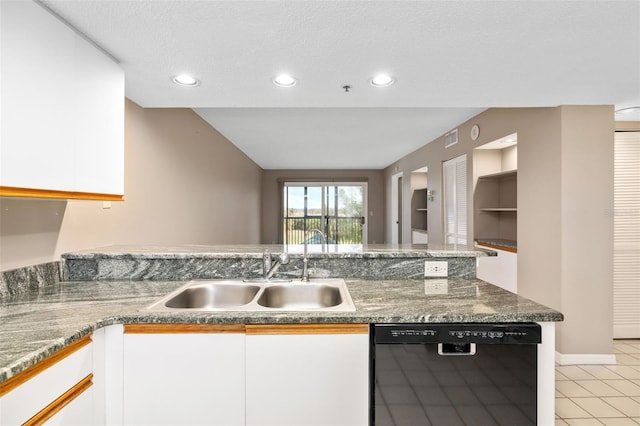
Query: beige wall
(184, 184)
(565, 185)
(272, 198)
(587, 226)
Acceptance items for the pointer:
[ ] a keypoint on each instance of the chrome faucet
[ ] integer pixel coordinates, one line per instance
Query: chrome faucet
(305, 258)
(269, 267)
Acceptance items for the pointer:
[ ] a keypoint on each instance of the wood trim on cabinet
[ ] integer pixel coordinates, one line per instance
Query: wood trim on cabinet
(52, 409)
(20, 378)
(494, 246)
(182, 328)
(255, 329)
(12, 191)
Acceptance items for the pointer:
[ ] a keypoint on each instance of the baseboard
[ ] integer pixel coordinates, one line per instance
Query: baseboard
(576, 359)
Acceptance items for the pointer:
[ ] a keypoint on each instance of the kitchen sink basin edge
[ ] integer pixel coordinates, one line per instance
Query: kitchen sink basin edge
(228, 295)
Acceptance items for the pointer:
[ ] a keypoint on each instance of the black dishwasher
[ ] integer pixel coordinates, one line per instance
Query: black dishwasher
(454, 374)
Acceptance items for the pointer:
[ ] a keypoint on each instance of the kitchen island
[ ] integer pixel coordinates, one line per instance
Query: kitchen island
(37, 324)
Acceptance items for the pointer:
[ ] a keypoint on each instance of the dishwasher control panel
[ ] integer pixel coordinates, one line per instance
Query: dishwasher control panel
(504, 334)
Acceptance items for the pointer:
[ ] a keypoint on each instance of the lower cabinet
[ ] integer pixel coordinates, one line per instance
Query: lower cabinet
(500, 270)
(57, 390)
(182, 374)
(78, 412)
(307, 374)
(313, 374)
(198, 374)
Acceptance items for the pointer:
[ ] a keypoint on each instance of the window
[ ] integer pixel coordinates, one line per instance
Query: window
(337, 209)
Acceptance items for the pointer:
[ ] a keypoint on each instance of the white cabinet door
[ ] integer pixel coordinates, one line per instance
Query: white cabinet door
(99, 124)
(184, 378)
(62, 109)
(298, 375)
(500, 270)
(38, 101)
(78, 412)
(45, 391)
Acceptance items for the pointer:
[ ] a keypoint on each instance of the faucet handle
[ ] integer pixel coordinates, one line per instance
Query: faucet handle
(284, 258)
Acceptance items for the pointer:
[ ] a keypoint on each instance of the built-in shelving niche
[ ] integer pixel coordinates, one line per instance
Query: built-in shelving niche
(419, 205)
(495, 197)
(419, 209)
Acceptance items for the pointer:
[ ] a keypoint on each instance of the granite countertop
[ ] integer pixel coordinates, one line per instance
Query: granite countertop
(498, 243)
(256, 250)
(36, 324)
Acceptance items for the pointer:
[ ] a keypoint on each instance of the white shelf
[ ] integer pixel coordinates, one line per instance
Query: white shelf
(421, 210)
(500, 175)
(500, 209)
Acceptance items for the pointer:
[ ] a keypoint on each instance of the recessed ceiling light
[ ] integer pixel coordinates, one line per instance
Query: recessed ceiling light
(285, 80)
(186, 80)
(382, 80)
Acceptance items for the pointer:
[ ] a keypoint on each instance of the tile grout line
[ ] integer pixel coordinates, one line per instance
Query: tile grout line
(598, 385)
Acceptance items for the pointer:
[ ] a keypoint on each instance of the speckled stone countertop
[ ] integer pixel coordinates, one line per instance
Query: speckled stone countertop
(172, 263)
(498, 243)
(255, 250)
(36, 324)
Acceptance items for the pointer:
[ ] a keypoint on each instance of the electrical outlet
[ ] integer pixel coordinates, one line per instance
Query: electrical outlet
(436, 268)
(436, 286)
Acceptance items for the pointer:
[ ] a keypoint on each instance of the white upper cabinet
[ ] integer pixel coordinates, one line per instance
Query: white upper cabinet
(62, 109)
(99, 123)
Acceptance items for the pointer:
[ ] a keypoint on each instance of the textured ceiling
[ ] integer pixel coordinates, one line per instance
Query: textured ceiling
(342, 138)
(451, 59)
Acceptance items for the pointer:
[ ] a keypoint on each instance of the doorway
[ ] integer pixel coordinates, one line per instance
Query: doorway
(396, 208)
(336, 209)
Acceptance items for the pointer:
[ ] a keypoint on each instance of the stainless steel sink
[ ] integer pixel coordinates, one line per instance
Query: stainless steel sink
(329, 294)
(300, 296)
(219, 296)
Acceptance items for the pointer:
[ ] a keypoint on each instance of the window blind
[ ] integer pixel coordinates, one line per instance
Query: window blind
(455, 199)
(626, 236)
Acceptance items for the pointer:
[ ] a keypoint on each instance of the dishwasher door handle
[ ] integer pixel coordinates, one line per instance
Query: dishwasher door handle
(456, 349)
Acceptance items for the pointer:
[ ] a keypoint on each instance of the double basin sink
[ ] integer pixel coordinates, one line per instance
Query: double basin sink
(329, 294)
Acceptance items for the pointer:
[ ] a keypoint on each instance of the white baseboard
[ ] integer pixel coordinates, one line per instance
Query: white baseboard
(575, 359)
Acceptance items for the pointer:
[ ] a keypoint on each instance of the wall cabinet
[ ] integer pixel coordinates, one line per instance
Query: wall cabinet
(58, 390)
(184, 374)
(62, 110)
(307, 374)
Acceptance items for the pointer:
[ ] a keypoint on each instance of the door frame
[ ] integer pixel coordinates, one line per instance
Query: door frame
(327, 183)
(395, 223)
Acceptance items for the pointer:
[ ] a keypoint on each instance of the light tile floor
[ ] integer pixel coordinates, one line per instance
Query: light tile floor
(601, 394)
